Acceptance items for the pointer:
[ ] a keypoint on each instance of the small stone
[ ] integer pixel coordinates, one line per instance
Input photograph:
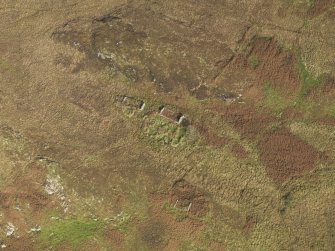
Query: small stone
(10, 229)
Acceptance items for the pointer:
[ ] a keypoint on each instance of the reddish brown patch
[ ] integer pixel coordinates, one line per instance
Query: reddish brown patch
(175, 232)
(26, 189)
(254, 93)
(319, 7)
(285, 155)
(266, 62)
(211, 137)
(292, 114)
(153, 232)
(23, 203)
(217, 246)
(249, 224)
(328, 121)
(183, 195)
(331, 14)
(115, 239)
(247, 120)
(22, 243)
(276, 66)
(325, 89)
(239, 151)
(329, 84)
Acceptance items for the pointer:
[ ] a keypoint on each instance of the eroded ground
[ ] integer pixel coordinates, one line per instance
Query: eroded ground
(167, 125)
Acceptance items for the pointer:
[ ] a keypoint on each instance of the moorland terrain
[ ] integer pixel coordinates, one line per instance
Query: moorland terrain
(167, 125)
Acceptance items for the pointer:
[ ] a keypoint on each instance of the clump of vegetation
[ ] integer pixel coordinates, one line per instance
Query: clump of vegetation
(287, 202)
(71, 232)
(287, 199)
(181, 132)
(165, 132)
(253, 62)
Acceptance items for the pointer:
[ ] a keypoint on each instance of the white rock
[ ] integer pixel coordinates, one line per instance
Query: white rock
(35, 229)
(53, 185)
(9, 229)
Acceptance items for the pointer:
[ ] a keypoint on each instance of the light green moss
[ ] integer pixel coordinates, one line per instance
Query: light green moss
(274, 100)
(73, 232)
(307, 80)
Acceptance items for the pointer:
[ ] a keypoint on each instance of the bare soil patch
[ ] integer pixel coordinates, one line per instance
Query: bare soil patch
(285, 155)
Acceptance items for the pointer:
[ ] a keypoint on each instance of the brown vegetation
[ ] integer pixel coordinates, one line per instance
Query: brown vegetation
(187, 197)
(319, 7)
(285, 155)
(247, 120)
(275, 65)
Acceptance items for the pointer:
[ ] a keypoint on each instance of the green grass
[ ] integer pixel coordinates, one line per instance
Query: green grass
(180, 133)
(253, 62)
(73, 232)
(274, 100)
(302, 102)
(309, 106)
(165, 132)
(307, 80)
